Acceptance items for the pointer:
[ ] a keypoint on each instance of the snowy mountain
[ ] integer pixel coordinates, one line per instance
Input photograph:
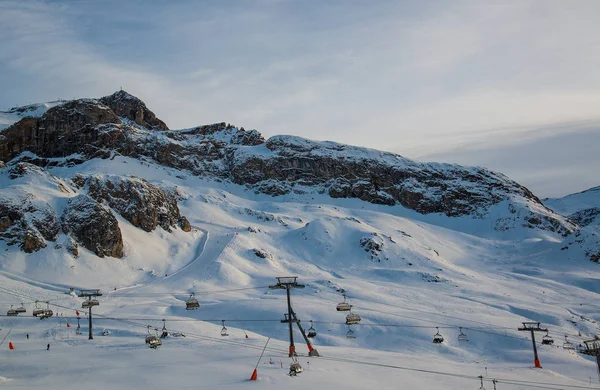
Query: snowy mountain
(583, 208)
(98, 193)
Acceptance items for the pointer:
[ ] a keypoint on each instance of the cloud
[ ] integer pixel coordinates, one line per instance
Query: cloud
(390, 75)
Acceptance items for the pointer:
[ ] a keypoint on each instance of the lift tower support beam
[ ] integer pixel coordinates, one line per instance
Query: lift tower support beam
(89, 294)
(287, 283)
(533, 327)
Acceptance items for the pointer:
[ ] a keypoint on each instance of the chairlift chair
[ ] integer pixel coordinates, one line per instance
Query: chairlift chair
(152, 340)
(224, 329)
(311, 331)
(11, 312)
(295, 368)
(94, 302)
(437, 337)
(86, 304)
(164, 333)
(343, 306)
(462, 338)
(37, 311)
(46, 313)
(350, 333)
(547, 340)
(568, 345)
(352, 318)
(192, 303)
(21, 309)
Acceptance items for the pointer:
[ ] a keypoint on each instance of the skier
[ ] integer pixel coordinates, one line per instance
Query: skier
(48, 347)
(27, 336)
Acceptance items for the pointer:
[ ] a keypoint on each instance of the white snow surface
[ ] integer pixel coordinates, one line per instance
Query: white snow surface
(7, 118)
(431, 271)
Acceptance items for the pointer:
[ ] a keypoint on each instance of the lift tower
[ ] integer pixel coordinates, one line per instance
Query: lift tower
(533, 327)
(90, 294)
(592, 348)
(287, 283)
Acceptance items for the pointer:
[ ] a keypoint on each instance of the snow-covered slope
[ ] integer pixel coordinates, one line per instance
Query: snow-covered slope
(405, 273)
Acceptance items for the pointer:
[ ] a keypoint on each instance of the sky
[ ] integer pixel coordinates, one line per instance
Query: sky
(511, 85)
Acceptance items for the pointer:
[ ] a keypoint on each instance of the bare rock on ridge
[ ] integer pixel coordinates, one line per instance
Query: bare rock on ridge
(93, 226)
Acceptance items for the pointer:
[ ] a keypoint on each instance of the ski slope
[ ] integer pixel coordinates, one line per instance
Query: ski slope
(429, 271)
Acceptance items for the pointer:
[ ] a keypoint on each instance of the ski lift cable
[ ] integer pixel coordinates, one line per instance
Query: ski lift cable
(436, 322)
(125, 294)
(209, 320)
(515, 382)
(506, 381)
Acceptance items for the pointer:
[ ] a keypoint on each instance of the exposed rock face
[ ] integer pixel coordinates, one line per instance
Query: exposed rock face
(79, 126)
(132, 108)
(143, 204)
(93, 226)
(279, 166)
(28, 223)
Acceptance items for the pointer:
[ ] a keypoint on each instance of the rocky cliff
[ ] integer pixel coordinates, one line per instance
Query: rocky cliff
(120, 123)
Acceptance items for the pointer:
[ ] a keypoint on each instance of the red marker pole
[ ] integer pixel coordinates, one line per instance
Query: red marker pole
(255, 372)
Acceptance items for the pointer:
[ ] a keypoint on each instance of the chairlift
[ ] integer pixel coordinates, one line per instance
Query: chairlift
(46, 313)
(192, 303)
(343, 306)
(352, 318)
(21, 309)
(86, 304)
(11, 312)
(164, 333)
(462, 338)
(568, 345)
(94, 302)
(105, 332)
(152, 339)
(224, 329)
(437, 337)
(350, 333)
(311, 331)
(77, 331)
(295, 368)
(547, 340)
(37, 311)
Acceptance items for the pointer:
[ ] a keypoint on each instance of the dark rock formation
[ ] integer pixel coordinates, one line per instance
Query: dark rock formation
(132, 108)
(279, 166)
(143, 204)
(79, 126)
(28, 223)
(93, 226)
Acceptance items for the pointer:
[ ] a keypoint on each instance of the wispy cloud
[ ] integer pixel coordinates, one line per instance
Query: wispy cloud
(384, 74)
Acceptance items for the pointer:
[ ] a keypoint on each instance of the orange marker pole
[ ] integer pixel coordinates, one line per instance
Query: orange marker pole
(255, 372)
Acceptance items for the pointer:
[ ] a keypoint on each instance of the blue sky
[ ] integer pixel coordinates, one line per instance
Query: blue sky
(500, 84)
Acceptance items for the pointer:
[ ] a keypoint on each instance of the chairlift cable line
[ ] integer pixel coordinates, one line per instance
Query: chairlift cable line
(508, 381)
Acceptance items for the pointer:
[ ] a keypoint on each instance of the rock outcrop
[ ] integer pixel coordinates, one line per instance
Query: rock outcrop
(128, 106)
(28, 223)
(143, 204)
(93, 226)
(279, 166)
